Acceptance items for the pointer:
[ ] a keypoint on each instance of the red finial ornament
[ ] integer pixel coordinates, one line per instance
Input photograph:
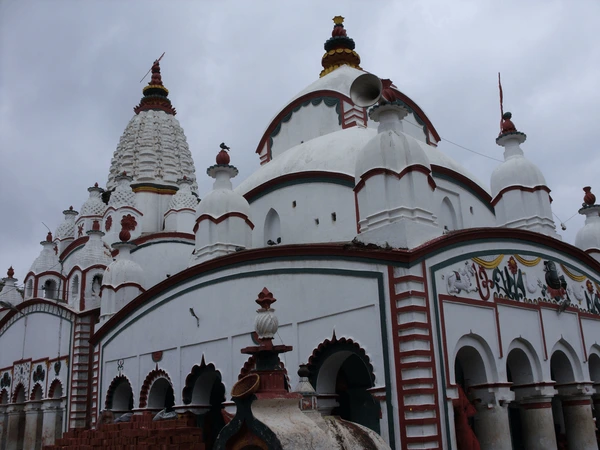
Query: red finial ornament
(70, 208)
(589, 199)
(223, 158)
(156, 79)
(10, 272)
(96, 226)
(265, 299)
(128, 223)
(96, 184)
(387, 91)
(49, 237)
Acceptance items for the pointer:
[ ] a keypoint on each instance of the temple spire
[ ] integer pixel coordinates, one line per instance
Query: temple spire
(339, 49)
(155, 94)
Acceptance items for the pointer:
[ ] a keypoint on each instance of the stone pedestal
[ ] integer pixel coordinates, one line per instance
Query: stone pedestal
(491, 421)
(53, 421)
(33, 426)
(3, 426)
(579, 423)
(538, 424)
(16, 427)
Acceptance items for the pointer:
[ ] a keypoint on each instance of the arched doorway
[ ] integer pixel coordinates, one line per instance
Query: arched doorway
(161, 395)
(19, 398)
(518, 372)
(205, 392)
(272, 228)
(561, 371)
(340, 368)
(119, 397)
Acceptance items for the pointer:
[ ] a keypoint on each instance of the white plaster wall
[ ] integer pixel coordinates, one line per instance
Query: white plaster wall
(309, 307)
(462, 200)
(161, 258)
(41, 341)
(307, 123)
(313, 201)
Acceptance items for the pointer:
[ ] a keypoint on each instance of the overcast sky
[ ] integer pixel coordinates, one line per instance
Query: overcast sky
(70, 72)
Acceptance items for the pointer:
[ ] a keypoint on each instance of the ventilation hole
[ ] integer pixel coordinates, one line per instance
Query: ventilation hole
(294, 204)
(471, 209)
(317, 221)
(333, 216)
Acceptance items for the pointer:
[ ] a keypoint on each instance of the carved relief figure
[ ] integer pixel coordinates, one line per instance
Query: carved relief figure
(461, 280)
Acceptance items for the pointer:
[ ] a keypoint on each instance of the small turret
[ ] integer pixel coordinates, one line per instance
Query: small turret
(588, 238)
(223, 222)
(9, 294)
(123, 279)
(65, 232)
(181, 211)
(93, 209)
(520, 196)
(394, 187)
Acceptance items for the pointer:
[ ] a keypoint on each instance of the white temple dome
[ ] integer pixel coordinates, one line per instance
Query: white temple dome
(337, 152)
(516, 171)
(390, 150)
(222, 201)
(121, 271)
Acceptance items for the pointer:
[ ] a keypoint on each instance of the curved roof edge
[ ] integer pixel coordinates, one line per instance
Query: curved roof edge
(289, 109)
(396, 256)
(40, 301)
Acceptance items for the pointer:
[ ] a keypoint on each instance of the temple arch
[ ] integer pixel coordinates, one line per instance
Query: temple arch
(565, 366)
(19, 394)
(119, 397)
(205, 392)
(473, 362)
(3, 397)
(157, 391)
(447, 218)
(36, 392)
(272, 228)
(56, 389)
(342, 368)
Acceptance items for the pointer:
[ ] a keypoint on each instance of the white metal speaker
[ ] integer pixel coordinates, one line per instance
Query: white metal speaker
(366, 90)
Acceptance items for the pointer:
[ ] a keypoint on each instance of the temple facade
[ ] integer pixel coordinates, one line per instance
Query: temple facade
(425, 308)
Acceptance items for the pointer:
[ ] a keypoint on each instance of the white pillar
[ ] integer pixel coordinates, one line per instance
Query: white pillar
(3, 426)
(52, 424)
(492, 427)
(16, 424)
(538, 424)
(579, 423)
(33, 426)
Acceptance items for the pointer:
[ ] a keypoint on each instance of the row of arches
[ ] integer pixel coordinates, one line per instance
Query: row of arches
(475, 369)
(340, 370)
(36, 393)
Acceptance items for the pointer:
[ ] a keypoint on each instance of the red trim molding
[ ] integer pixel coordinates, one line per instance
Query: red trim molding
(460, 178)
(306, 175)
(120, 286)
(585, 402)
(383, 171)
(538, 405)
(398, 256)
(222, 218)
(518, 188)
(165, 235)
(72, 246)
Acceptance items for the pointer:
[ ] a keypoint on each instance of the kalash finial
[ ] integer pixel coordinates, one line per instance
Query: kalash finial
(223, 157)
(589, 199)
(10, 272)
(339, 49)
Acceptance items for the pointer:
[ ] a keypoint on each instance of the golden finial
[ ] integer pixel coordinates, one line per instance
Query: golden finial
(338, 20)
